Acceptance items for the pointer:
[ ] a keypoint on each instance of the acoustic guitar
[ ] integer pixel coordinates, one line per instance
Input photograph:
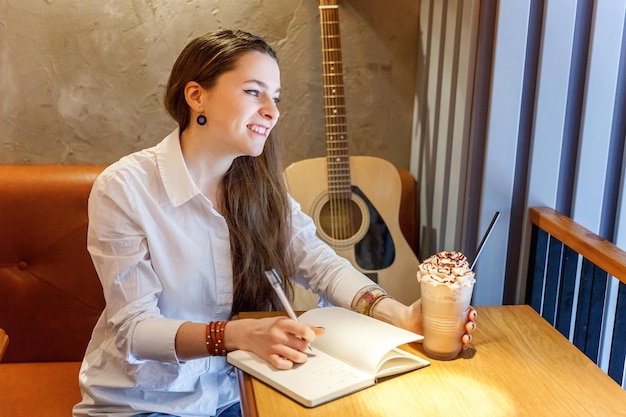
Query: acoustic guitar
(353, 200)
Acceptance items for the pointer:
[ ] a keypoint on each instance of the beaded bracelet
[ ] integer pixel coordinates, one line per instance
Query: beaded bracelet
(215, 338)
(368, 298)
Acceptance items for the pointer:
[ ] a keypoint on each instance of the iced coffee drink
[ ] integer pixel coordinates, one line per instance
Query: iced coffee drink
(446, 283)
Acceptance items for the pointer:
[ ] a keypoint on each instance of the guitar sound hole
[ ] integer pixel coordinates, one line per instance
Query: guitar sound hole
(340, 219)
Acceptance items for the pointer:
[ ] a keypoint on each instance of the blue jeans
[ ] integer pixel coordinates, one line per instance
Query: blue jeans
(233, 410)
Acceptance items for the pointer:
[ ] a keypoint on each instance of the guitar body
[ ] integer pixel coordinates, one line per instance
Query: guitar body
(353, 200)
(372, 241)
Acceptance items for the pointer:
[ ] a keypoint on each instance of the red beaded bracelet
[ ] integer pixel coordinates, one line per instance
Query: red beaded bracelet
(215, 338)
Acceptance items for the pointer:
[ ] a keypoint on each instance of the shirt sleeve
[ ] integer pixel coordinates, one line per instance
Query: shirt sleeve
(319, 267)
(118, 246)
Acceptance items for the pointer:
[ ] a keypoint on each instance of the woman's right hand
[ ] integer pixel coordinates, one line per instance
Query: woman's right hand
(280, 341)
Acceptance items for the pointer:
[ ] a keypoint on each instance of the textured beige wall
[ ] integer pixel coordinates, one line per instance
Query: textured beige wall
(81, 81)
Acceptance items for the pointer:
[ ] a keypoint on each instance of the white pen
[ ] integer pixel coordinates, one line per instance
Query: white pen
(274, 279)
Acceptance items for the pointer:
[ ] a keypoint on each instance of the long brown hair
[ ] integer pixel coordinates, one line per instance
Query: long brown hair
(256, 205)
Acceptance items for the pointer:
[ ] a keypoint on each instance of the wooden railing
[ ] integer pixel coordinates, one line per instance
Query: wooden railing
(577, 281)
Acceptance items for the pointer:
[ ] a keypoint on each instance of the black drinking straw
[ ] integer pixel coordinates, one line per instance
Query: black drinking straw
(484, 239)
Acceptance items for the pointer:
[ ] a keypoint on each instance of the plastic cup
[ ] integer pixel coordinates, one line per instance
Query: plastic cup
(444, 316)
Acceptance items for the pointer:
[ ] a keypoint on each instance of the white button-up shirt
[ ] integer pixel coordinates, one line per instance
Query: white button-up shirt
(162, 253)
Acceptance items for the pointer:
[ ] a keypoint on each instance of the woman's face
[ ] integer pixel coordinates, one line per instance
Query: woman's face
(241, 107)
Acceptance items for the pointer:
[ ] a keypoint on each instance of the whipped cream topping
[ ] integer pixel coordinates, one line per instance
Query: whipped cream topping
(446, 268)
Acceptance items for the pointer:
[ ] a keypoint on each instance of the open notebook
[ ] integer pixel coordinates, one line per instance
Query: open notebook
(353, 352)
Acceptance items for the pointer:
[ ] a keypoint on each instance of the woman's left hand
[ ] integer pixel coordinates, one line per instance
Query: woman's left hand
(469, 327)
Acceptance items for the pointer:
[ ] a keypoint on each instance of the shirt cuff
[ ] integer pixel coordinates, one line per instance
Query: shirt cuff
(155, 339)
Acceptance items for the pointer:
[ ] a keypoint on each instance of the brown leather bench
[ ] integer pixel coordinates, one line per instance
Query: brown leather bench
(50, 295)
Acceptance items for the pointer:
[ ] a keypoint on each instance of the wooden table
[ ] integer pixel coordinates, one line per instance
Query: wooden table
(517, 365)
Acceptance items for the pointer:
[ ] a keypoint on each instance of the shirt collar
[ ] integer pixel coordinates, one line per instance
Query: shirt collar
(178, 184)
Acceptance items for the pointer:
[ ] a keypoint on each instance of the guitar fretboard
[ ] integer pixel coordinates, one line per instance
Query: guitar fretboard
(337, 155)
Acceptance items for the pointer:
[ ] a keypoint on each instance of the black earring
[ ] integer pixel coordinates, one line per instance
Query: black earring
(201, 120)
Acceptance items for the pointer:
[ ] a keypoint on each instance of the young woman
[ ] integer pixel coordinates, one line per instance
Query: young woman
(181, 234)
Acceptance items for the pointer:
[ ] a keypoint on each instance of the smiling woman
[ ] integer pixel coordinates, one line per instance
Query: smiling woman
(169, 210)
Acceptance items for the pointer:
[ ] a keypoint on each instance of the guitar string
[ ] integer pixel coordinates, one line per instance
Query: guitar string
(335, 205)
(338, 171)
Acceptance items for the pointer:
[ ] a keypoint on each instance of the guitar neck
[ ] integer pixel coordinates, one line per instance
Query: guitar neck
(337, 153)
